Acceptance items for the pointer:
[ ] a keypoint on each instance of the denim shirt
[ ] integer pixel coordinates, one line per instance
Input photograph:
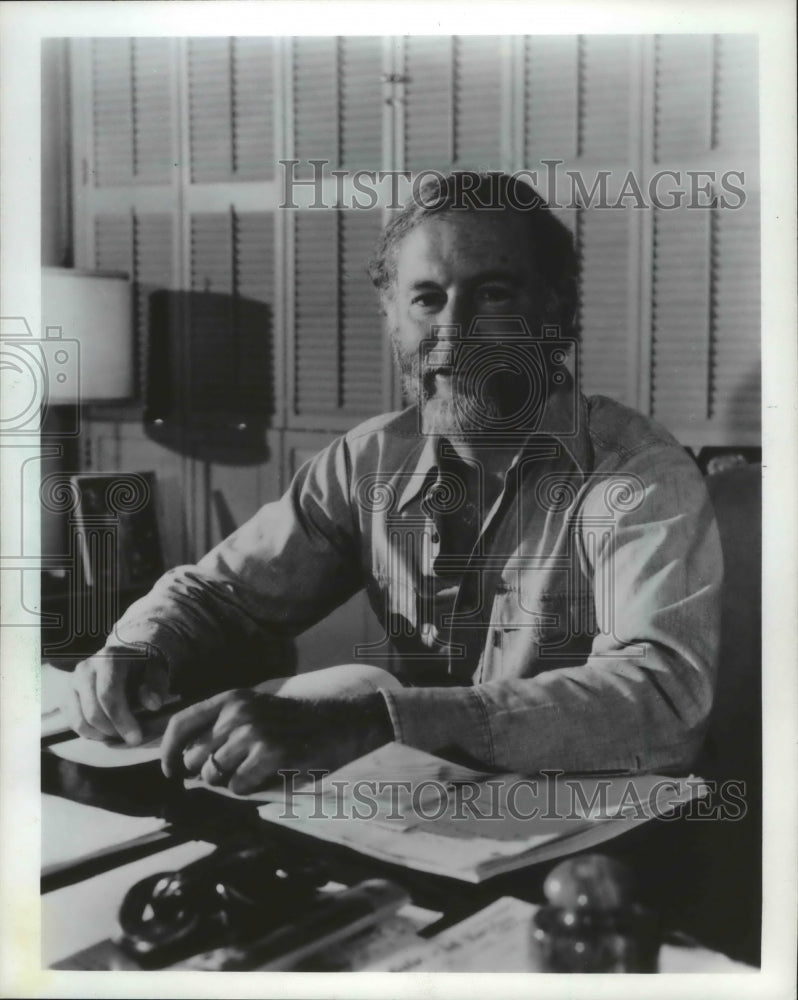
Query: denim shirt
(579, 631)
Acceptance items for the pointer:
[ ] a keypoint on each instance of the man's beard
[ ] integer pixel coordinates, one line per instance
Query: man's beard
(509, 396)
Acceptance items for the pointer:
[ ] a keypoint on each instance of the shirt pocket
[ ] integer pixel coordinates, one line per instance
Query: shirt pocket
(567, 616)
(513, 611)
(534, 632)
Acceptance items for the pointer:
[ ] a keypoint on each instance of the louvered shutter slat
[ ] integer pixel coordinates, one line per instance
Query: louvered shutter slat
(683, 105)
(112, 71)
(154, 272)
(604, 294)
(211, 334)
(428, 123)
(113, 242)
(478, 102)
(737, 122)
(315, 101)
(152, 68)
(681, 314)
(606, 72)
(361, 103)
(361, 335)
(551, 97)
(253, 109)
(210, 108)
(736, 385)
(316, 313)
(254, 310)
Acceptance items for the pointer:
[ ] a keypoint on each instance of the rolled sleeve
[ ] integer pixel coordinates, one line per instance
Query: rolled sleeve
(434, 719)
(285, 569)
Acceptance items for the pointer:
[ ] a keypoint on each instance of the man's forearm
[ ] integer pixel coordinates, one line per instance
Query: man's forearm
(576, 719)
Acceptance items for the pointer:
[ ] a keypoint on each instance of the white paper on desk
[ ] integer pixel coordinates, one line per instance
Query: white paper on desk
(99, 753)
(496, 939)
(72, 831)
(472, 843)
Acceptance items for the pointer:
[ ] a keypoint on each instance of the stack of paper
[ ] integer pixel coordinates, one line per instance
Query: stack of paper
(74, 832)
(410, 808)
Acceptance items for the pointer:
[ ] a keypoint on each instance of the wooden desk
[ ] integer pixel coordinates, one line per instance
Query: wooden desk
(655, 851)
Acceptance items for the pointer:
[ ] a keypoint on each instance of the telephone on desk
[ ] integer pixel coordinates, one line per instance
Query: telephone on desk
(231, 897)
(244, 908)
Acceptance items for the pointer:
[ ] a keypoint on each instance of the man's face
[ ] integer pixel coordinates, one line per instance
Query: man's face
(451, 270)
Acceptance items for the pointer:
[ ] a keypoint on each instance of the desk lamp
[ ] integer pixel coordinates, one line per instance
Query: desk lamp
(86, 354)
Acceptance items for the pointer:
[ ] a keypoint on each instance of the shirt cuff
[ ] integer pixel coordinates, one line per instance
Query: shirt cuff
(435, 719)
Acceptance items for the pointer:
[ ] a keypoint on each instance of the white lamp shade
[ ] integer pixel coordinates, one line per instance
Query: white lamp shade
(87, 335)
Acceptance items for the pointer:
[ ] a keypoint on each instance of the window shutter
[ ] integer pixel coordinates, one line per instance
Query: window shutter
(605, 249)
(478, 102)
(338, 343)
(705, 373)
(454, 103)
(361, 324)
(605, 96)
(551, 98)
(154, 257)
(112, 74)
(132, 120)
(254, 312)
(361, 103)
(684, 95)
(210, 103)
(113, 242)
(211, 253)
(230, 318)
(681, 316)
(153, 161)
(211, 309)
(736, 380)
(253, 108)
(316, 94)
(737, 115)
(231, 109)
(141, 246)
(316, 311)
(429, 107)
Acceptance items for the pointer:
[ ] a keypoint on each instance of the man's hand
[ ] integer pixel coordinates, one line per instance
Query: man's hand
(242, 739)
(107, 688)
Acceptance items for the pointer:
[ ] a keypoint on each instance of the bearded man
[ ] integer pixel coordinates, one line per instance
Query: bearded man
(546, 566)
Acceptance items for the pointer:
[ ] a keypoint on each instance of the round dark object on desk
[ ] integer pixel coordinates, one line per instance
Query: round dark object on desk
(589, 881)
(592, 922)
(229, 898)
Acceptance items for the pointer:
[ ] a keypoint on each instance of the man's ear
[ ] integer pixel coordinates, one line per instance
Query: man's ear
(388, 305)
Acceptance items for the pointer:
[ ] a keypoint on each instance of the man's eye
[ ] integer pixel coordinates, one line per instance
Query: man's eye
(428, 300)
(492, 294)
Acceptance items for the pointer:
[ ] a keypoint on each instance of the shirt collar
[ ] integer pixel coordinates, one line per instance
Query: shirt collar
(564, 420)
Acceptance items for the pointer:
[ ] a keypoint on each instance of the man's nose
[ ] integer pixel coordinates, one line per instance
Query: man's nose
(454, 319)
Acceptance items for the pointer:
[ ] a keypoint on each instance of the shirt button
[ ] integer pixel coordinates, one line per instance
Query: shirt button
(429, 632)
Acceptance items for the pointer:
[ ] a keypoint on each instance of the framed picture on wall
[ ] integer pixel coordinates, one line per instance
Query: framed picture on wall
(117, 529)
